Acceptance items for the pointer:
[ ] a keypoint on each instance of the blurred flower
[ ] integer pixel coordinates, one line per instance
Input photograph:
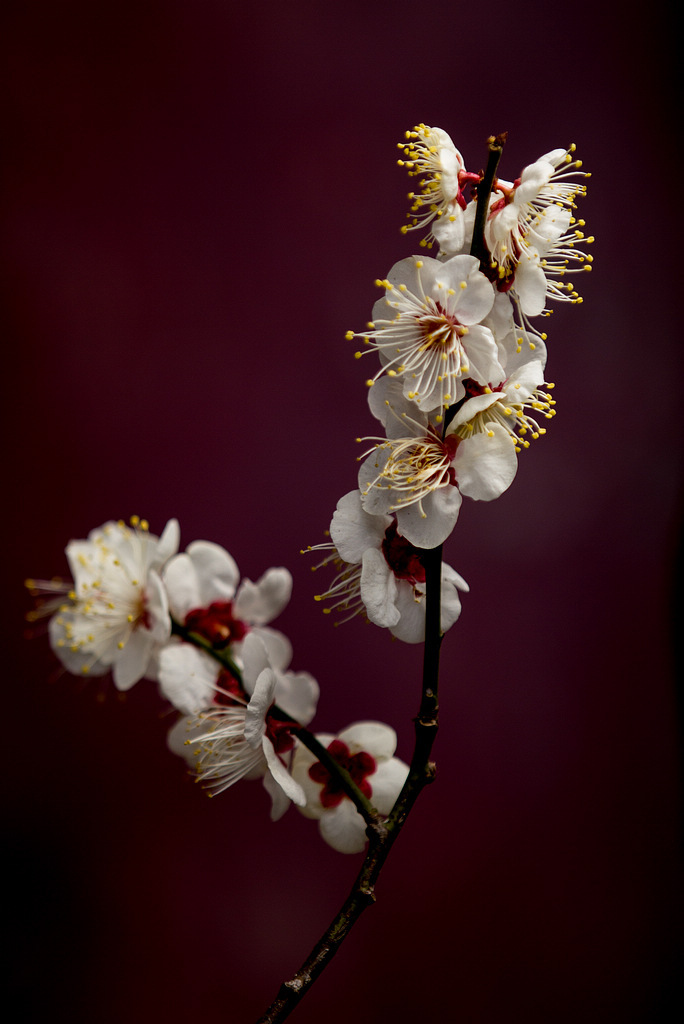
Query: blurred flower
(365, 750)
(201, 584)
(240, 735)
(117, 617)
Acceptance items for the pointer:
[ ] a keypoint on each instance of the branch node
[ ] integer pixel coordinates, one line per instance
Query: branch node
(430, 771)
(369, 892)
(377, 831)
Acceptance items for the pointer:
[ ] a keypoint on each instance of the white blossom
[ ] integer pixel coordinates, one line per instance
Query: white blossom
(383, 574)
(513, 405)
(239, 736)
(117, 616)
(428, 329)
(430, 152)
(205, 598)
(365, 749)
(419, 475)
(531, 231)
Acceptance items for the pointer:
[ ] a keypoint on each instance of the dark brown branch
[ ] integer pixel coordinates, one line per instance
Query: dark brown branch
(478, 246)
(381, 836)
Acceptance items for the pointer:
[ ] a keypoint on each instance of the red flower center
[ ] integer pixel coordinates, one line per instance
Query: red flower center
(217, 624)
(405, 561)
(279, 733)
(358, 765)
(229, 691)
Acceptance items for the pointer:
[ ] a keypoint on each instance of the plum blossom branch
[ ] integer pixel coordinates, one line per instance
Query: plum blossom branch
(382, 836)
(458, 392)
(221, 655)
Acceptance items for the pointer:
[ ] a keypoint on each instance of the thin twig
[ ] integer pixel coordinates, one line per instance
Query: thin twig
(221, 655)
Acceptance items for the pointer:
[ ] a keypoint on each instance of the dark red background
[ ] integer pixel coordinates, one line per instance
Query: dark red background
(200, 196)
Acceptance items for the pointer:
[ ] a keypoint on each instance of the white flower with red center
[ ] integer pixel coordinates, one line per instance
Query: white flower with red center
(117, 617)
(365, 750)
(427, 329)
(430, 152)
(383, 573)
(531, 232)
(513, 405)
(202, 585)
(242, 735)
(420, 477)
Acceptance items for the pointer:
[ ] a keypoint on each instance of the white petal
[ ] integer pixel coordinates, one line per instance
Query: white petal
(471, 407)
(259, 603)
(81, 661)
(411, 607)
(483, 355)
(524, 380)
(130, 666)
(278, 647)
(378, 589)
(376, 738)
(449, 230)
(440, 508)
(167, 545)
(297, 694)
(375, 500)
(254, 657)
(216, 571)
(157, 608)
(353, 530)
(343, 828)
(281, 775)
(472, 303)
(257, 709)
(187, 677)
(530, 286)
(180, 739)
(182, 586)
(280, 801)
(485, 466)
(450, 602)
(387, 783)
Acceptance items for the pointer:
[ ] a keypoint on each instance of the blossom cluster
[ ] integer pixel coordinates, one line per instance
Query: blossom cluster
(459, 393)
(137, 608)
(460, 390)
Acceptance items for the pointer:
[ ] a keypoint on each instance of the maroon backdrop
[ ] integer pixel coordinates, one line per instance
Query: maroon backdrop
(200, 196)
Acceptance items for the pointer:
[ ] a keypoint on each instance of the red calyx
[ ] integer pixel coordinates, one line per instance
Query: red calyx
(358, 765)
(405, 561)
(217, 624)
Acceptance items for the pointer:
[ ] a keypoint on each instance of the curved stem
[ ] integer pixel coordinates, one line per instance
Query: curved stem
(381, 836)
(221, 655)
